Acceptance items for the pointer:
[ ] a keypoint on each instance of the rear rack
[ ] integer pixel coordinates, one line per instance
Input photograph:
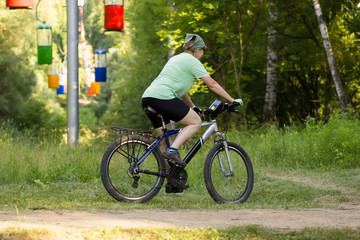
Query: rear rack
(121, 132)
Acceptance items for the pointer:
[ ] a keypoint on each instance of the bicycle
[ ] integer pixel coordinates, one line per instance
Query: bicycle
(133, 168)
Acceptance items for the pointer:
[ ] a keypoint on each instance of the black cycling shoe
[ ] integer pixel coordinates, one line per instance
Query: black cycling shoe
(171, 189)
(174, 157)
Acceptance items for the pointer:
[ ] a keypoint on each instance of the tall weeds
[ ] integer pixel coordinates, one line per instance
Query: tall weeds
(26, 157)
(29, 158)
(319, 145)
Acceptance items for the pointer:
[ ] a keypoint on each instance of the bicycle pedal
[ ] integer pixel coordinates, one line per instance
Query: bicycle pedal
(135, 184)
(177, 164)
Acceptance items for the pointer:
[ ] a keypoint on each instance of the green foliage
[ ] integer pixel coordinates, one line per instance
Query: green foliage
(141, 61)
(305, 86)
(218, 23)
(294, 167)
(94, 23)
(24, 98)
(154, 28)
(305, 79)
(345, 38)
(16, 61)
(27, 157)
(319, 146)
(335, 143)
(37, 119)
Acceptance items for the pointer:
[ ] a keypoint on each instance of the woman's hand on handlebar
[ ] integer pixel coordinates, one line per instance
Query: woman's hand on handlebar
(199, 111)
(238, 101)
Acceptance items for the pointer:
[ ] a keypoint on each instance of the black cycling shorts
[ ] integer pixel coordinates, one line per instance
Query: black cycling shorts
(173, 109)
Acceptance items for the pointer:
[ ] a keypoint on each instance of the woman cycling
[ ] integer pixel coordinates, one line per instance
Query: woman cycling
(173, 83)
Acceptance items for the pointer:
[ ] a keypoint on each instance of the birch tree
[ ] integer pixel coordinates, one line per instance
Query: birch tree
(271, 66)
(330, 56)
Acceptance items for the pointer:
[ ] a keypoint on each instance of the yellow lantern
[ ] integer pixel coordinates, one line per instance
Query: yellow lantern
(95, 88)
(53, 75)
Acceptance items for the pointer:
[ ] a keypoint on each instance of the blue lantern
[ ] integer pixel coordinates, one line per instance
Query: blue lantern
(60, 90)
(100, 65)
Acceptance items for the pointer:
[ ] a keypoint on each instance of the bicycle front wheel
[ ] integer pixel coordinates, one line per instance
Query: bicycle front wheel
(224, 185)
(118, 175)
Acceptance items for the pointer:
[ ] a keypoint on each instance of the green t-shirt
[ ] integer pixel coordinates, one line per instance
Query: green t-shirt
(176, 78)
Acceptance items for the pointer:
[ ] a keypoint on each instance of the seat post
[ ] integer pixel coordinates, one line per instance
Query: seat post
(162, 120)
(150, 109)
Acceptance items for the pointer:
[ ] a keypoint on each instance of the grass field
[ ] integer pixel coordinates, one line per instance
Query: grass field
(247, 233)
(316, 166)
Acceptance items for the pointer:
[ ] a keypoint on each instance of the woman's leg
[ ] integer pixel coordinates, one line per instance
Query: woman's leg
(177, 110)
(193, 123)
(159, 132)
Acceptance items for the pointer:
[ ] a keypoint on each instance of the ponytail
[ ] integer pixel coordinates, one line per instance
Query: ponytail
(189, 44)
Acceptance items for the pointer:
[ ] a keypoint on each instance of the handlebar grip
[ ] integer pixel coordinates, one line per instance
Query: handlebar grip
(231, 108)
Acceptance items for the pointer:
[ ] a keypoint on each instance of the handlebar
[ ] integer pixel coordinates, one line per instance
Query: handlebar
(231, 107)
(217, 107)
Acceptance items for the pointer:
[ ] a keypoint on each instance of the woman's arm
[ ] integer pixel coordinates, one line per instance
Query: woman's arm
(188, 101)
(216, 88)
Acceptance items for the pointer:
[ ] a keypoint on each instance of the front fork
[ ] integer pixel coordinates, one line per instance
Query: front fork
(221, 162)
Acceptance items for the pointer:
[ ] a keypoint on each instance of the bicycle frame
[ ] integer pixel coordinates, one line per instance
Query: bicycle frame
(134, 169)
(212, 129)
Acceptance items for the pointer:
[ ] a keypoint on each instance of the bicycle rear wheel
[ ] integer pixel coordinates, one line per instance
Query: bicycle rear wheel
(118, 175)
(225, 187)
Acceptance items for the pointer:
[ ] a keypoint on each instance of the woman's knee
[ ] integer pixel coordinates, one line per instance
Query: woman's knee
(192, 118)
(198, 121)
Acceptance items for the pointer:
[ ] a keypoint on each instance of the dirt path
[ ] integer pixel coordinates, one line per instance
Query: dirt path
(344, 216)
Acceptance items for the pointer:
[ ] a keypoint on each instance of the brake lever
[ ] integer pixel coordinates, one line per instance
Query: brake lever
(231, 109)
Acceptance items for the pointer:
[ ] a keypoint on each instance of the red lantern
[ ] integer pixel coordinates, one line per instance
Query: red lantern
(114, 15)
(15, 4)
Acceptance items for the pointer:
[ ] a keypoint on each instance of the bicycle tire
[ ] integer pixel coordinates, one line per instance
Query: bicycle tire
(229, 189)
(116, 176)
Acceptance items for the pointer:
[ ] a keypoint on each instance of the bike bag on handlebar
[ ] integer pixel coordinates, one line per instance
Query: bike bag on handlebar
(215, 108)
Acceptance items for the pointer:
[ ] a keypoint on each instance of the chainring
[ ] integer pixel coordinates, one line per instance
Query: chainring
(177, 176)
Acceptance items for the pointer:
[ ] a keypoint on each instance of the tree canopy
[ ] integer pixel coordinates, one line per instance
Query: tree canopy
(236, 34)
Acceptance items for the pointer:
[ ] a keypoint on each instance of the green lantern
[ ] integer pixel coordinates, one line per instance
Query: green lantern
(44, 39)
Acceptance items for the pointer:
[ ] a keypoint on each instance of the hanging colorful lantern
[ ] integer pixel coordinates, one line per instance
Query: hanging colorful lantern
(62, 84)
(16, 4)
(81, 3)
(63, 76)
(95, 88)
(44, 37)
(89, 91)
(53, 75)
(100, 65)
(114, 15)
(60, 90)
(90, 77)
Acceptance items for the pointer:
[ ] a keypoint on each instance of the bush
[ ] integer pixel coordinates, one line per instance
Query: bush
(38, 120)
(321, 145)
(335, 143)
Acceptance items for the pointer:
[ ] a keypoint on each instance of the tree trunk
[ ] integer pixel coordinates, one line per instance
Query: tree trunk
(271, 67)
(330, 56)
